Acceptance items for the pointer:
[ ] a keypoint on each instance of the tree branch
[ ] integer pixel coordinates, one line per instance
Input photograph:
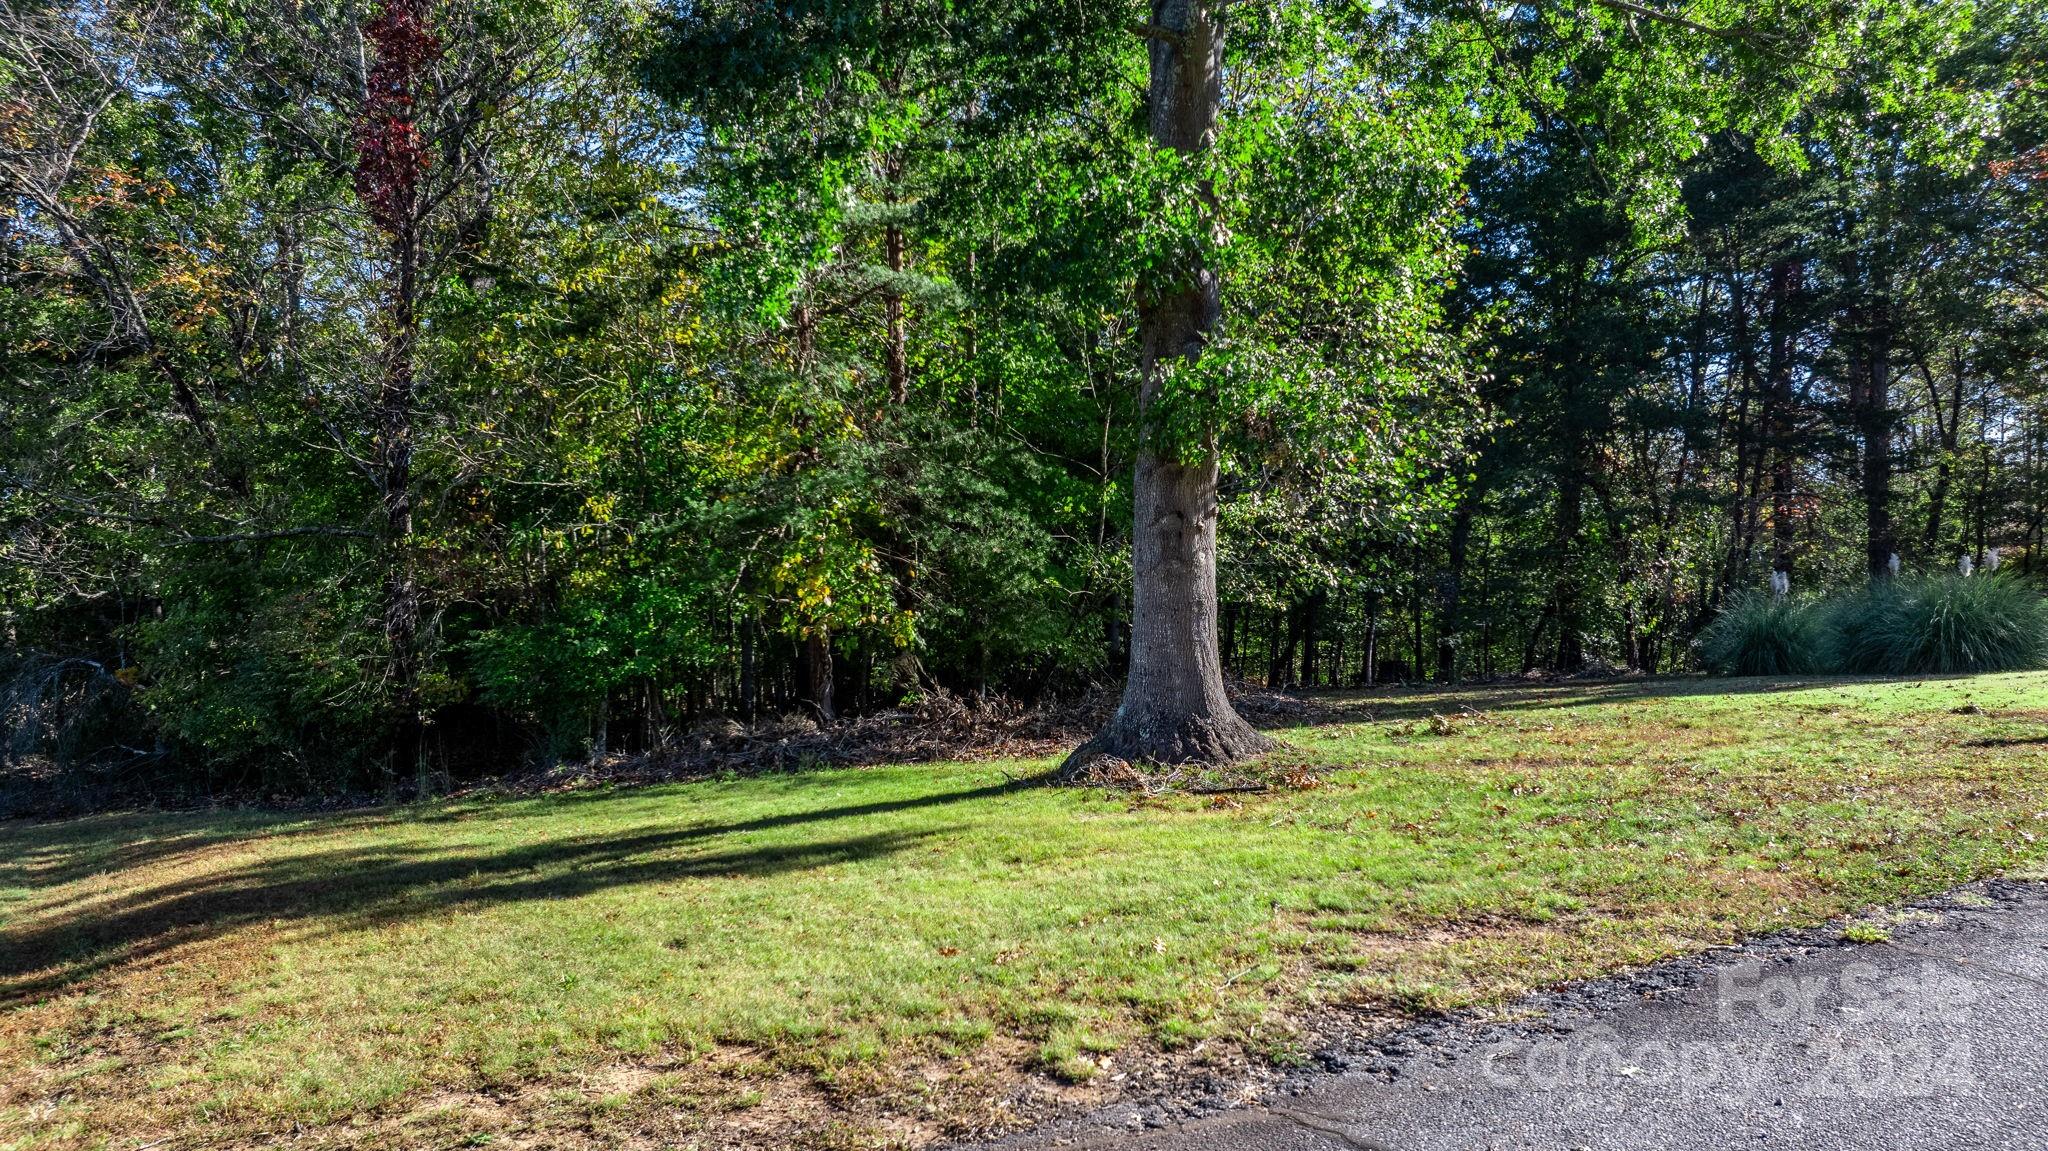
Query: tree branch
(279, 534)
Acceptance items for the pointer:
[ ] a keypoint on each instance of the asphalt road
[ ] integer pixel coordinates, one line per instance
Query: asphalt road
(1935, 1039)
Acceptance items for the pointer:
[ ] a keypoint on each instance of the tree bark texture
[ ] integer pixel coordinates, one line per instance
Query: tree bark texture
(1174, 707)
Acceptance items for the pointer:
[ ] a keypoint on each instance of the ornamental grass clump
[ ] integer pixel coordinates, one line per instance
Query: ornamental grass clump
(1933, 625)
(1863, 627)
(1766, 635)
(1940, 625)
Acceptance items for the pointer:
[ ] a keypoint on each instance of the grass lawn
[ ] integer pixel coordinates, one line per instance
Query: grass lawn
(886, 955)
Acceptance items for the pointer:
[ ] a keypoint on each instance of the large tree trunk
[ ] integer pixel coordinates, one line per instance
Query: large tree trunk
(1785, 281)
(2037, 521)
(1874, 424)
(401, 580)
(390, 164)
(750, 672)
(1415, 671)
(818, 674)
(1336, 664)
(1174, 708)
(1865, 332)
(1948, 424)
(1448, 593)
(1981, 505)
(1370, 669)
(1568, 593)
(1311, 648)
(896, 355)
(1742, 508)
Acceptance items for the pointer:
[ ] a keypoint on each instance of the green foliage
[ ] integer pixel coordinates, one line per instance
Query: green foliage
(1497, 327)
(1762, 634)
(259, 678)
(1940, 625)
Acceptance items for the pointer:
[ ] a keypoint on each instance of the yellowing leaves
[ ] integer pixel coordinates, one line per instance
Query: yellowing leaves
(832, 580)
(601, 508)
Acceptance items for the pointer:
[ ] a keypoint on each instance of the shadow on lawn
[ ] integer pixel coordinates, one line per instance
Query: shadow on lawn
(1424, 700)
(56, 853)
(357, 887)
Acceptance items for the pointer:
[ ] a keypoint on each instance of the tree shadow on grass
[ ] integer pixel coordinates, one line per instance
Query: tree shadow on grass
(53, 853)
(1424, 700)
(2008, 741)
(357, 887)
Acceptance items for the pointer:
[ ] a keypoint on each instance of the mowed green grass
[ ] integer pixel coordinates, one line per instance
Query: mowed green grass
(641, 966)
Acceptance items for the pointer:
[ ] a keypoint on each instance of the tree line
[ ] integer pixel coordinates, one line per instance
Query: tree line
(394, 390)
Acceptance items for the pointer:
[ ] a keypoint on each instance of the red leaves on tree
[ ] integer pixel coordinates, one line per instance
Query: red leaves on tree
(391, 157)
(2032, 165)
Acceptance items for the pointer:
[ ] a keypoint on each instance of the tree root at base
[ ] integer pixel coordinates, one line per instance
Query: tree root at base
(1195, 755)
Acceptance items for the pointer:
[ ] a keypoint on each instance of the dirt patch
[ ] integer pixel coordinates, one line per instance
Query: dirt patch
(730, 1099)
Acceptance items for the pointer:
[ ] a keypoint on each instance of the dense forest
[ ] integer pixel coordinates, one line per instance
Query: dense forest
(399, 390)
